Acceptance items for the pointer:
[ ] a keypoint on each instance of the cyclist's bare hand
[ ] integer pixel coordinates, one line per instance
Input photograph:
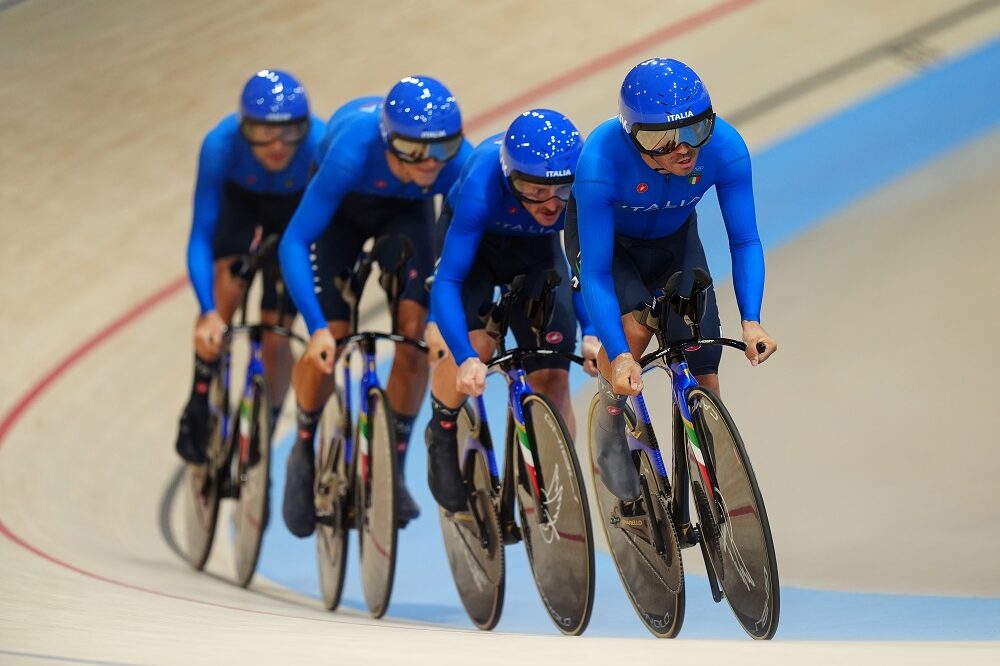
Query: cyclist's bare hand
(589, 349)
(626, 375)
(436, 347)
(208, 331)
(471, 378)
(320, 350)
(754, 336)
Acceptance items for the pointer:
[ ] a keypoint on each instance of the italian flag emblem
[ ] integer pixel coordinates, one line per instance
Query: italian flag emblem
(694, 178)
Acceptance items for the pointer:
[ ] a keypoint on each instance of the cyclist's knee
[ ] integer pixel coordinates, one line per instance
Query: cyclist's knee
(483, 343)
(409, 358)
(709, 380)
(412, 319)
(551, 382)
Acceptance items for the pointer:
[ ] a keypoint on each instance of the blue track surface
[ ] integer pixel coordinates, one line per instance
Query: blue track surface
(799, 182)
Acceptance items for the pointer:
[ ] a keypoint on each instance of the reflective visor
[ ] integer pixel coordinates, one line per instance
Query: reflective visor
(536, 192)
(262, 134)
(415, 150)
(663, 139)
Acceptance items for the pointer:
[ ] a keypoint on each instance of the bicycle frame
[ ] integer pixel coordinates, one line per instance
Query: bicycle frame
(687, 450)
(509, 364)
(364, 344)
(247, 270)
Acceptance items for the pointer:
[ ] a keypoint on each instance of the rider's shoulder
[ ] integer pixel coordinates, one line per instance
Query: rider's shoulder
(219, 144)
(225, 132)
(602, 147)
(727, 142)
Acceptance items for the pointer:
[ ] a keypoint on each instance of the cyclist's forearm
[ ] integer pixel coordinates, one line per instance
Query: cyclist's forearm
(446, 303)
(580, 307)
(296, 268)
(602, 305)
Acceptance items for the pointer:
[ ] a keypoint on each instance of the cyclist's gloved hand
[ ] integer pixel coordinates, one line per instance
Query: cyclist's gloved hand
(471, 378)
(436, 347)
(626, 375)
(755, 335)
(589, 349)
(320, 350)
(208, 331)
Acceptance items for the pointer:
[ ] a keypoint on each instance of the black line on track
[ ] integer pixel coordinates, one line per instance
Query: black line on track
(70, 660)
(905, 46)
(4, 6)
(165, 503)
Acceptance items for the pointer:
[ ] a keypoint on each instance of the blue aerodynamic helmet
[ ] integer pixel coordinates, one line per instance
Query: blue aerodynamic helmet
(273, 96)
(541, 147)
(421, 120)
(663, 103)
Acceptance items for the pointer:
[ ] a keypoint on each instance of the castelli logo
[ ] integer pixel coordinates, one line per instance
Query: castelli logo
(614, 411)
(512, 210)
(380, 184)
(642, 188)
(201, 388)
(412, 274)
(553, 337)
(251, 179)
(447, 425)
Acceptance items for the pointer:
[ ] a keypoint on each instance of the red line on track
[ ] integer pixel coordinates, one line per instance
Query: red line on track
(589, 68)
(132, 315)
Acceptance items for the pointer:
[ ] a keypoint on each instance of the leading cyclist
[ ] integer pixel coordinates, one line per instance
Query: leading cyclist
(632, 223)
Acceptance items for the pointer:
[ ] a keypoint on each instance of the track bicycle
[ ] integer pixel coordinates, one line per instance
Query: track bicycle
(239, 445)
(709, 458)
(356, 469)
(540, 469)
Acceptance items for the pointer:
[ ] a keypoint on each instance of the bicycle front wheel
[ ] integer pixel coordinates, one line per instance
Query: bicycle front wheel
(333, 501)
(473, 539)
(252, 479)
(375, 487)
(648, 564)
(558, 539)
(202, 482)
(733, 520)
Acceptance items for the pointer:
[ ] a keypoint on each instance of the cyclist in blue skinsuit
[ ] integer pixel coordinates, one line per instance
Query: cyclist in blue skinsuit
(382, 164)
(252, 171)
(632, 224)
(502, 218)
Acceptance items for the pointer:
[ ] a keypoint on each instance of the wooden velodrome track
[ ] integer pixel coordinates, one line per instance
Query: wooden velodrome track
(876, 424)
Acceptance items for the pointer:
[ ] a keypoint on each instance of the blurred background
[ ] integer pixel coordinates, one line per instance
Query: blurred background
(874, 128)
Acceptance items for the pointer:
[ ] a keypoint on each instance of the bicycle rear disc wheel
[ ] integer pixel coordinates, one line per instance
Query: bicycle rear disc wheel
(653, 581)
(333, 501)
(473, 539)
(201, 482)
(376, 483)
(560, 550)
(253, 480)
(743, 557)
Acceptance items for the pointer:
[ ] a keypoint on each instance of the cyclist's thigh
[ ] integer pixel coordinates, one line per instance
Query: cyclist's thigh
(691, 254)
(334, 253)
(414, 220)
(275, 213)
(238, 219)
(542, 254)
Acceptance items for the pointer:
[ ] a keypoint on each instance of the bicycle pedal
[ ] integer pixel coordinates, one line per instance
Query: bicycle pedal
(689, 535)
(511, 534)
(325, 519)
